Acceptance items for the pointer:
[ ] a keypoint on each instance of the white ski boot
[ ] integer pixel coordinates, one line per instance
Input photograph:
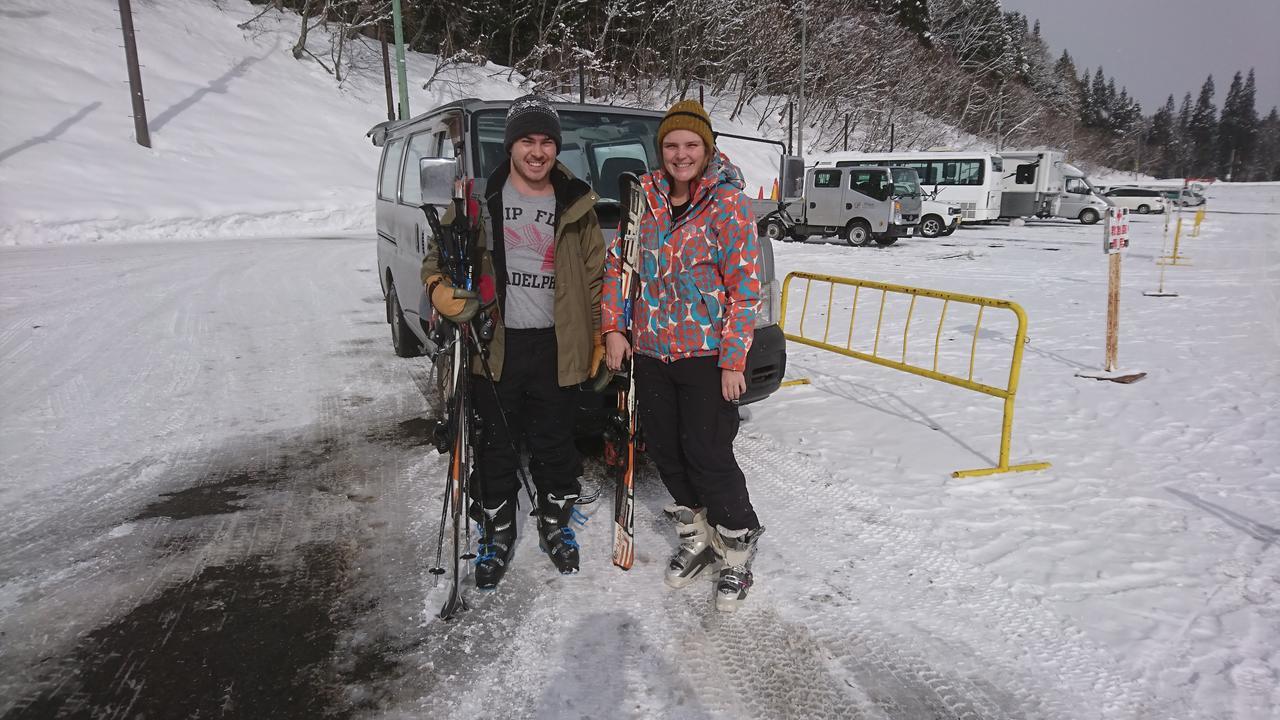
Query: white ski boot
(695, 553)
(738, 549)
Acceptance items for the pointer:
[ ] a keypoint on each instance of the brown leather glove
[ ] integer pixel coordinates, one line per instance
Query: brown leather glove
(453, 304)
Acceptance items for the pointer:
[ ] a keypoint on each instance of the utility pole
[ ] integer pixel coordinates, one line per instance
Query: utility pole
(804, 27)
(140, 131)
(401, 75)
(386, 70)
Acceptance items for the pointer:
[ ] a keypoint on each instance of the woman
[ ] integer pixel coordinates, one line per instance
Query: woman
(692, 326)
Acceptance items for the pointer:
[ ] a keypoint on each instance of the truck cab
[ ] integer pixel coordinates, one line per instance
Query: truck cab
(1079, 200)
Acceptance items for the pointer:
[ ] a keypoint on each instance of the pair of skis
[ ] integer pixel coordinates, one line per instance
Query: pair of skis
(454, 245)
(624, 421)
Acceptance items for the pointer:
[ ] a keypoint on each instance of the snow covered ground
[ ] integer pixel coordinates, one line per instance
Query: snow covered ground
(214, 496)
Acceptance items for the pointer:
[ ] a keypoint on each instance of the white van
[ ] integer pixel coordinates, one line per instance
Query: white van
(1079, 200)
(599, 143)
(1142, 200)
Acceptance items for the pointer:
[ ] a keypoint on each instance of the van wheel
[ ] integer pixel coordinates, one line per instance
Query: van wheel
(886, 242)
(858, 234)
(402, 338)
(1144, 209)
(774, 229)
(1089, 216)
(931, 226)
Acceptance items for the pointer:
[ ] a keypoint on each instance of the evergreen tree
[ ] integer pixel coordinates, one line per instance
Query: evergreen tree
(914, 16)
(1238, 128)
(1228, 145)
(1182, 139)
(1203, 130)
(1161, 137)
(1266, 157)
(1098, 109)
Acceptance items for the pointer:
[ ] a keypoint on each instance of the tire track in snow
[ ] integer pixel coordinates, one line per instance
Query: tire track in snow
(926, 603)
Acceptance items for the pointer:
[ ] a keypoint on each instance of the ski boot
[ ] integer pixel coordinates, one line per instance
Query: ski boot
(696, 552)
(738, 549)
(497, 541)
(555, 537)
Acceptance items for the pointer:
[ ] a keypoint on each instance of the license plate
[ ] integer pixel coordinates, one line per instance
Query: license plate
(909, 230)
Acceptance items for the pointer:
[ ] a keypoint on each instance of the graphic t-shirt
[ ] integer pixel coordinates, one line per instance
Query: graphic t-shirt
(529, 228)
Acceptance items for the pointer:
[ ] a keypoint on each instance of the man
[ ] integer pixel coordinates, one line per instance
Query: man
(541, 263)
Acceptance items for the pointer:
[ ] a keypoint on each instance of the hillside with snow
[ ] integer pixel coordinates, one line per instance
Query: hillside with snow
(246, 140)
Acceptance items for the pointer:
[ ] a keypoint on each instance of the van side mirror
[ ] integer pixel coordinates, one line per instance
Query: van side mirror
(436, 176)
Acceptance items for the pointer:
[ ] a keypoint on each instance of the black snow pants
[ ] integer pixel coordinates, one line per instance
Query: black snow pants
(540, 415)
(688, 432)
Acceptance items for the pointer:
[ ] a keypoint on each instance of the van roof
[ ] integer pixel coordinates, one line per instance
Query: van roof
(390, 128)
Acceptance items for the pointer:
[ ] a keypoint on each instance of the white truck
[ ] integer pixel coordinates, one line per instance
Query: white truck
(861, 205)
(1079, 200)
(1033, 181)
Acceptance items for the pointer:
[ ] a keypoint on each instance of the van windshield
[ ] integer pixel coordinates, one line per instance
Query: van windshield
(906, 183)
(596, 146)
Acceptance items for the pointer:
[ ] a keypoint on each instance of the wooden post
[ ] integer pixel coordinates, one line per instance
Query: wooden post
(1113, 309)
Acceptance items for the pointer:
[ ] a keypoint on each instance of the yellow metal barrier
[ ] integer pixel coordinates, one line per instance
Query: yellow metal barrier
(1007, 393)
(1195, 231)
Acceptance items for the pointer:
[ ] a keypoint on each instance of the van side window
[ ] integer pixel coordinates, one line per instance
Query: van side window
(1025, 174)
(390, 167)
(826, 178)
(420, 146)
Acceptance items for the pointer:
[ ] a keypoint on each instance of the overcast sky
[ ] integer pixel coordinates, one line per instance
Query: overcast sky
(1160, 47)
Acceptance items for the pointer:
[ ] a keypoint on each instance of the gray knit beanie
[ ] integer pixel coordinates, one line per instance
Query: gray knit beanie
(530, 115)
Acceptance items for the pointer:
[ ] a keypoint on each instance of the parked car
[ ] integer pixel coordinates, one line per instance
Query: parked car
(1141, 200)
(600, 142)
(938, 219)
(1188, 198)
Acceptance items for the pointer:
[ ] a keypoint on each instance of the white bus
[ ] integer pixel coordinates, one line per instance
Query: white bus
(971, 179)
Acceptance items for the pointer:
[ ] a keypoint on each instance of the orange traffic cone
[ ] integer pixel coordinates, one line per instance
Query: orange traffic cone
(774, 194)
(760, 195)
